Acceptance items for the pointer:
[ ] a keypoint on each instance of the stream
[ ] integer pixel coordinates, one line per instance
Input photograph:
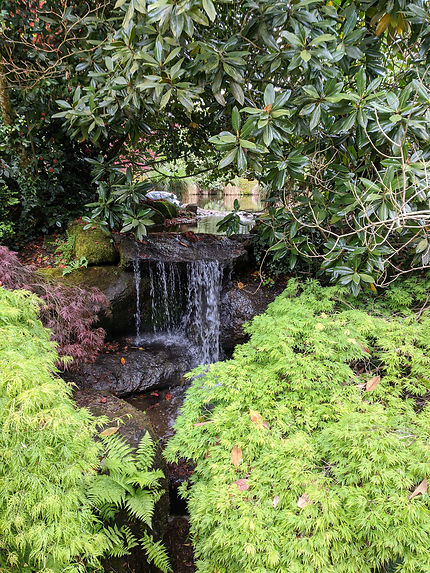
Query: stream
(177, 300)
(184, 317)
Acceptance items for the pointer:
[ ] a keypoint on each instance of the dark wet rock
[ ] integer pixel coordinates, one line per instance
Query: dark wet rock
(136, 424)
(191, 208)
(182, 247)
(238, 306)
(118, 286)
(157, 366)
(97, 247)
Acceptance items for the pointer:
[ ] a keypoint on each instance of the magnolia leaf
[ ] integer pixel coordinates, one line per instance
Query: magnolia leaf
(236, 456)
(383, 24)
(109, 431)
(242, 484)
(304, 500)
(422, 246)
(269, 95)
(276, 500)
(258, 420)
(420, 490)
(237, 91)
(209, 8)
(235, 119)
(227, 159)
(165, 99)
(372, 383)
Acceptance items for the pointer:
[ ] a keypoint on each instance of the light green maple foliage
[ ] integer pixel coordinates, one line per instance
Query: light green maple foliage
(311, 442)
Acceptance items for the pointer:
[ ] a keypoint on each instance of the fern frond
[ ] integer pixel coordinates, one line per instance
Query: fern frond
(118, 450)
(156, 553)
(141, 505)
(148, 479)
(119, 541)
(103, 489)
(145, 452)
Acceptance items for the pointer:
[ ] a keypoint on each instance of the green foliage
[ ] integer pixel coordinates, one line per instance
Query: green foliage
(64, 255)
(127, 483)
(230, 224)
(56, 511)
(47, 450)
(310, 442)
(120, 196)
(41, 166)
(39, 188)
(326, 103)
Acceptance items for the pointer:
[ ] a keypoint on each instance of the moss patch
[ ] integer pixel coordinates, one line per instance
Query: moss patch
(93, 244)
(163, 210)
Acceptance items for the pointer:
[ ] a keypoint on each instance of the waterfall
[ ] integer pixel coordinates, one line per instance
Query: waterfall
(185, 300)
(137, 315)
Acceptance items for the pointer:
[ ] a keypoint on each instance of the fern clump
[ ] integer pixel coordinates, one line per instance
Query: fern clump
(313, 443)
(127, 484)
(60, 489)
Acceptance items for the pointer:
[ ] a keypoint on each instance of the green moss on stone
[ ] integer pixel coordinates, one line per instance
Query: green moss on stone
(93, 245)
(96, 276)
(163, 210)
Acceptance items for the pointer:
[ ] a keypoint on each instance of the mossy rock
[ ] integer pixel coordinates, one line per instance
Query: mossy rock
(93, 244)
(117, 285)
(163, 210)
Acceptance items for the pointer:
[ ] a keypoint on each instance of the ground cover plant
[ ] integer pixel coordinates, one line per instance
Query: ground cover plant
(312, 443)
(57, 501)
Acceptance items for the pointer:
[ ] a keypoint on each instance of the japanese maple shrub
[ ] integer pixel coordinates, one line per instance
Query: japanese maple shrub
(58, 502)
(70, 312)
(312, 443)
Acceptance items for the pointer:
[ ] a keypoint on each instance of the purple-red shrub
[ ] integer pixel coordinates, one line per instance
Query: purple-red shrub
(70, 312)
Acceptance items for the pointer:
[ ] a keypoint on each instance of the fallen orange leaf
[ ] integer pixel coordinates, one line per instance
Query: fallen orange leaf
(372, 383)
(109, 431)
(242, 484)
(303, 501)
(236, 456)
(421, 489)
(258, 419)
(123, 360)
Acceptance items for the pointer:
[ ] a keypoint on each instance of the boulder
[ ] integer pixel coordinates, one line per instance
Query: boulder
(118, 286)
(93, 244)
(136, 424)
(163, 195)
(191, 208)
(136, 370)
(162, 209)
(238, 306)
(183, 247)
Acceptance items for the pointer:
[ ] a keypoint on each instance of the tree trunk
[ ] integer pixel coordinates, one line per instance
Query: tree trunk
(5, 105)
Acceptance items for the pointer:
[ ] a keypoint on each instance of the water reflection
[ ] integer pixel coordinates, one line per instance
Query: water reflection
(223, 200)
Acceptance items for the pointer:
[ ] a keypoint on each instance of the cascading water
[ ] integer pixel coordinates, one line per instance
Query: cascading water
(185, 300)
(137, 315)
